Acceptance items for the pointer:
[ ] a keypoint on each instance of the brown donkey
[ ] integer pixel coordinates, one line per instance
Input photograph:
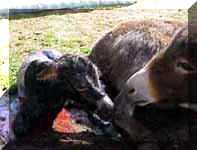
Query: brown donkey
(168, 84)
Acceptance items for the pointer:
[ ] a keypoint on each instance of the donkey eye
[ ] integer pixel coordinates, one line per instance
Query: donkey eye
(131, 91)
(185, 66)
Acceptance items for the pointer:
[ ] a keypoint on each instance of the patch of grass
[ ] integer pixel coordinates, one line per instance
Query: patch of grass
(50, 39)
(15, 62)
(85, 50)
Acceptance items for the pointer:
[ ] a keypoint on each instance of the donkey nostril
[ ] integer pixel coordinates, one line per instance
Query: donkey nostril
(131, 91)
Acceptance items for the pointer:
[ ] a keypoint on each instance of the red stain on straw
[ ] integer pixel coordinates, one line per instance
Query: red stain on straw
(64, 123)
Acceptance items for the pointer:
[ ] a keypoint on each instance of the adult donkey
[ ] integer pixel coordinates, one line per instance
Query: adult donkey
(168, 84)
(167, 81)
(128, 47)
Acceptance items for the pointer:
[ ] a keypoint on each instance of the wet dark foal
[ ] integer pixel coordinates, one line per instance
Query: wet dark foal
(47, 79)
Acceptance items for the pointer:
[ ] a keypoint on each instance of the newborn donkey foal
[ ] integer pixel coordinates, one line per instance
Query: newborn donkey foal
(49, 81)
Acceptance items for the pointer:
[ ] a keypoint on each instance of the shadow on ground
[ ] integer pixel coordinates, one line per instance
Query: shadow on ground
(81, 141)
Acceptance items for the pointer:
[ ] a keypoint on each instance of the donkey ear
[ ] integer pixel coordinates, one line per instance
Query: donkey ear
(49, 73)
(181, 36)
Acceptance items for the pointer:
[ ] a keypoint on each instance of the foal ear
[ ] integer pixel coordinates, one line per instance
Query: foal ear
(49, 73)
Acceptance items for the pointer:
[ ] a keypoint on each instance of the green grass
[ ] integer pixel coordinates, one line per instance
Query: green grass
(49, 40)
(15, 62)
(74, 44)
